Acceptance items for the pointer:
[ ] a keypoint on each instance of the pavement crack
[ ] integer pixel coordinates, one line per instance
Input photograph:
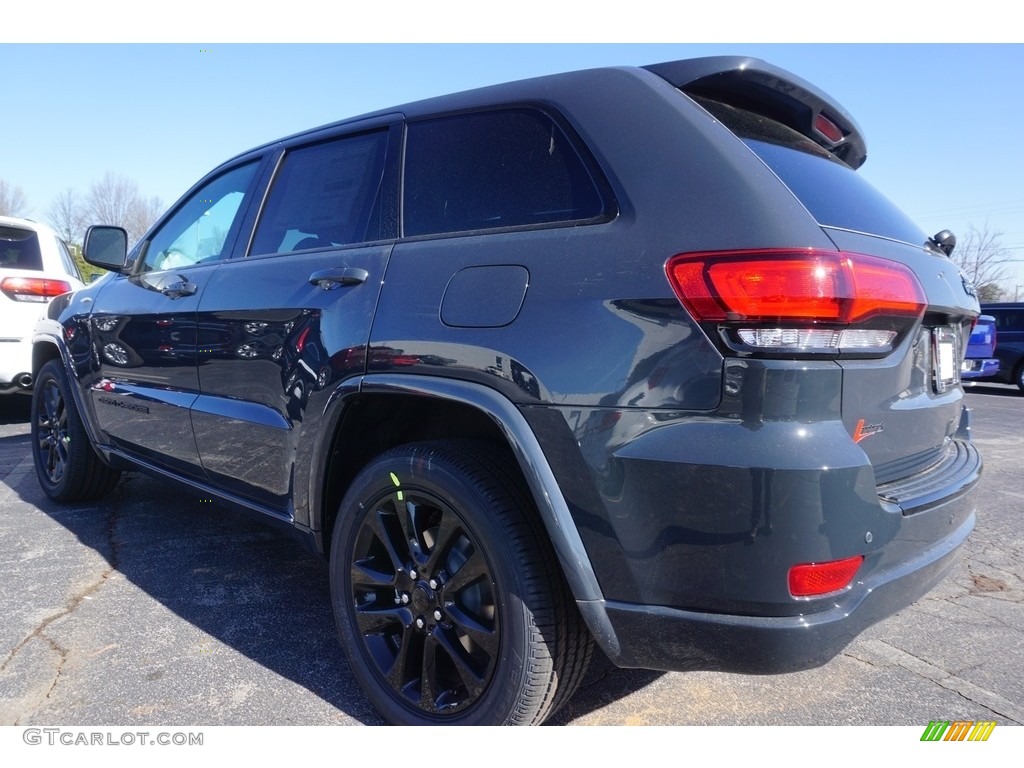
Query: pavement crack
(39, 632)
(975, 694)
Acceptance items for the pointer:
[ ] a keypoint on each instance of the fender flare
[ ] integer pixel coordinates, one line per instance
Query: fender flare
(551, 505)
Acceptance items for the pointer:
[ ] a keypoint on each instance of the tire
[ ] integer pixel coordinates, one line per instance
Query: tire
(447, 594)
(1018, 376)
(68, 468)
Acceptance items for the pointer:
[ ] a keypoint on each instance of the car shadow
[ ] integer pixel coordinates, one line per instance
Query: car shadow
(997, 390)
(249, 586)
(15, 409)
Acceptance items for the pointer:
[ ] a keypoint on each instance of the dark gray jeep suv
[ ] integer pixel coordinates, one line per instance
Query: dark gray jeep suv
(630, 356)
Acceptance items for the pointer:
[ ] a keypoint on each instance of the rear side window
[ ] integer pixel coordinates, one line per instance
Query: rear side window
(326, 195)
(489, 170)
(19, 249)
(67, 259)
(1007, 319)
(835, 194)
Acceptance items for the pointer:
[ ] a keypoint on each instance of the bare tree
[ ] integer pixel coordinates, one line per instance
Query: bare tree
(12, 200)
(142, 215)
(982, 257)
(116, 200)
(110, 199)
(65, 215)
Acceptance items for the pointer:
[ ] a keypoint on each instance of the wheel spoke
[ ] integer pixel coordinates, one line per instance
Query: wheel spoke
(447, 533)
(374, 620)
(472, 672)
(391, 535)
(50, 401)
(380, 555)
(412, 522)
(479, 634)
(428, 675)
(366, 577)
(405, 671)
(474, 568)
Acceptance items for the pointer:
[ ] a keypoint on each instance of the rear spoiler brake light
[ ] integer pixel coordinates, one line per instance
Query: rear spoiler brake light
(760, 87)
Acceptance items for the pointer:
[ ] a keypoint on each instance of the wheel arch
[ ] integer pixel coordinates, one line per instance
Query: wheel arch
(48, 344)
(408, 408)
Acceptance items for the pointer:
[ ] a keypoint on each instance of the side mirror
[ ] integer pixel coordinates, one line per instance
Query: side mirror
(106, 247)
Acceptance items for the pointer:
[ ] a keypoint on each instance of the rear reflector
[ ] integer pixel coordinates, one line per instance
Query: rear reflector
(36, 289)
(812, 579)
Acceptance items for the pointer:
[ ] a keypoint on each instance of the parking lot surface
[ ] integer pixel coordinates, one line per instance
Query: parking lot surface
(154, 607)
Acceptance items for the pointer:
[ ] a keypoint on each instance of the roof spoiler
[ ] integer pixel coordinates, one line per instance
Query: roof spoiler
(760, 87)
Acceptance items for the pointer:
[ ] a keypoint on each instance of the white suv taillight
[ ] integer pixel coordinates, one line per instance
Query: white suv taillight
(37, 289)
(803, 301)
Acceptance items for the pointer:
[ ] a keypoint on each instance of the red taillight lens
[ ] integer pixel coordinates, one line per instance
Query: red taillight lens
(812, 579)
(33, 288)
(816, 286)
(777, 295)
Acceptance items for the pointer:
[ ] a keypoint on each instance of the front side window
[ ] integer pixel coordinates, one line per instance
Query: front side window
(325, 196)
(197, 232)
(489, 170)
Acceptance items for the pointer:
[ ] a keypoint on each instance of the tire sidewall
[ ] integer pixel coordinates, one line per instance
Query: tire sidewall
(499, 703)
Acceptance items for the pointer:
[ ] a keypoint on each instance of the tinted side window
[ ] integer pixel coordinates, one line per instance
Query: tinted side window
(488, 170)
(199, 228)
(326, 195)
(1008, 320)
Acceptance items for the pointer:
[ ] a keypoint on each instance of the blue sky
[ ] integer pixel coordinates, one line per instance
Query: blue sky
(939, 119)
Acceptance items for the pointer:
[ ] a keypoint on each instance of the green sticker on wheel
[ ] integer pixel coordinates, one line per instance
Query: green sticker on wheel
(398, 484)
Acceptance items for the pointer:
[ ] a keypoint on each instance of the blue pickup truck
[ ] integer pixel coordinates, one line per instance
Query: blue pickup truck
(1009, 320)
(980, 360)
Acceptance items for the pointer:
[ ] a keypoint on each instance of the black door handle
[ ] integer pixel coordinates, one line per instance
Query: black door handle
(329, 279)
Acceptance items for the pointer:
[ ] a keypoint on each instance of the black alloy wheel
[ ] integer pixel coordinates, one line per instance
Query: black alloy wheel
(52, 438)
(67, 467)
(444, 593)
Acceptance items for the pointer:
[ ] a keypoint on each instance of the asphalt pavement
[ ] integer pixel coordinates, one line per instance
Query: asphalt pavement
(156, 608)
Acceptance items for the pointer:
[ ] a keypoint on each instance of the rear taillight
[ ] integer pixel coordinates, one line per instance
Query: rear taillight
(36, 289)
(799, 300)
(813, 579)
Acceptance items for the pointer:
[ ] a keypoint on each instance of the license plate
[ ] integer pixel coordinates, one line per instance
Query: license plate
(944, 346)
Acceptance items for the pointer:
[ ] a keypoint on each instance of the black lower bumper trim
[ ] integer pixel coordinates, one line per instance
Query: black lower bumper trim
(671, 639)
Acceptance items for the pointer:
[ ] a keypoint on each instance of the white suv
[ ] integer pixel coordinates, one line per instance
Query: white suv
(35, 266)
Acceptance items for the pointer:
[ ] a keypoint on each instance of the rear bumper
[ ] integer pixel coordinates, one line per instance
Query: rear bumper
(655, 637)
(15, 362)
(979, 367)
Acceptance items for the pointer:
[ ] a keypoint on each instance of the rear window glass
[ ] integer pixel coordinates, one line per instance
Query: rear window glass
(835, 194)
(19, 249)
(489, 170)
